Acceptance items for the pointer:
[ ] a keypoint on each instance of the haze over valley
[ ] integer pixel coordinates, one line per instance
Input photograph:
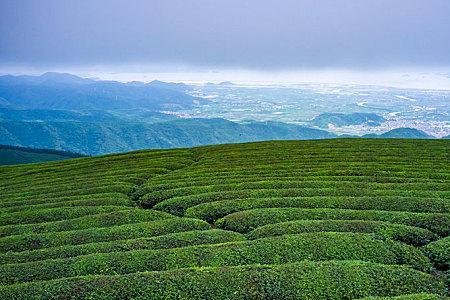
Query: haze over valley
(66, 112)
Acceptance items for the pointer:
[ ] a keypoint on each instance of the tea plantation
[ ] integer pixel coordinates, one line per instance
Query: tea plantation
(328, 219)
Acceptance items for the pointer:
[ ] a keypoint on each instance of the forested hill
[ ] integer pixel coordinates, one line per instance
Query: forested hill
(70, 92)
(325, 219)
(95, 138)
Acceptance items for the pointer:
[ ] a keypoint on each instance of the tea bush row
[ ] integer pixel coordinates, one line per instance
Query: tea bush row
(330, 280)
(114, 218)
(178, 205)
(214, 210)
(54, 214)
(172, 240)
(109, 201)
(248, 220)
(439, 253)
(407, 234)
(275, 250)
(25, 242)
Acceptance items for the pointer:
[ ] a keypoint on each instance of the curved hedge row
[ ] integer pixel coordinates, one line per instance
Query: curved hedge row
(331, 280)
(164, 194)
(276, 250)
(117, 201)
(25, 242)
(114, 218)
(41, 200)
(296, 170)
(114, 187)
(439, 253)
(403, 233)
(178, 205)
(72, 184)
(172, 240)
(54, 214)
(48, 185)
(214, 210)
(291, 174)
(247, 220)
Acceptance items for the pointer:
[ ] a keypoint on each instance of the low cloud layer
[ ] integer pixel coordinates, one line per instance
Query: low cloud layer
(264, 35)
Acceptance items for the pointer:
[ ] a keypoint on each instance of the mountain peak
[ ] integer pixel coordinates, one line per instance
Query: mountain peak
(402, 133)
(64, 78)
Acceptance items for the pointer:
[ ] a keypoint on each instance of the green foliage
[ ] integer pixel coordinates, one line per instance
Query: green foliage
(53, 214)
(439, 253)
(306, 207)
(407, 234)
(248, 220)
(218, 209)
(91, 201)
(114, 218)
(290, 248)
(172, 240)
(117, 199)
(76, 237)
(421, 296)
(12, 155)
(303, 280)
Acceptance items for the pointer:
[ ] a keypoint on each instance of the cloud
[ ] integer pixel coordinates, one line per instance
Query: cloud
(266, 35)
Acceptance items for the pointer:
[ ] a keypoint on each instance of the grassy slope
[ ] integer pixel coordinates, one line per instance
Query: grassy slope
(19, 155)
(360, 218)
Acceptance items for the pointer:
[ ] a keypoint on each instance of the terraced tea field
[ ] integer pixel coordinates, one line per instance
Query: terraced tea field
(329, 219)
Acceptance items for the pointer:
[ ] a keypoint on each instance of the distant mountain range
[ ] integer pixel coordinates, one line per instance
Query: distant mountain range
(338, 119)
(67, 112)
(69, 92)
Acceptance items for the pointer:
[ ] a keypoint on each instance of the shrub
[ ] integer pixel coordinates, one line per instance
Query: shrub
(403, 233)
(248, 220)
(290, 248)
(305, 184)
(331, 280)
(76, 237)
(172, 240)
(111, 201)
(178, 205)
(54, 214)
(45, 201)
(214, 210)
(120, 217)
(439, 253)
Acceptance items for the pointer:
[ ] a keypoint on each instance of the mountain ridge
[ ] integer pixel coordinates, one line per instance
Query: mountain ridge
(66, 91)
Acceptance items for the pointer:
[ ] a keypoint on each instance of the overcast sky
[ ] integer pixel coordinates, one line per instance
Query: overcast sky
(262, 35)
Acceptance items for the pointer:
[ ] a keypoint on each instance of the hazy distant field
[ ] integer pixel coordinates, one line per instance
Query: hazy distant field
(427, 110)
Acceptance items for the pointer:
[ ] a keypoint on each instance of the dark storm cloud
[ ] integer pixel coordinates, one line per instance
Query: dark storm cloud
(262, 34)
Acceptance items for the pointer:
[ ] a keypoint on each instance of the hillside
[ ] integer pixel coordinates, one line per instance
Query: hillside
(339, 119)
(70, 92)
(107, 137)
(100, 132)
(328, 219)
(11, 155)
(401, 133)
